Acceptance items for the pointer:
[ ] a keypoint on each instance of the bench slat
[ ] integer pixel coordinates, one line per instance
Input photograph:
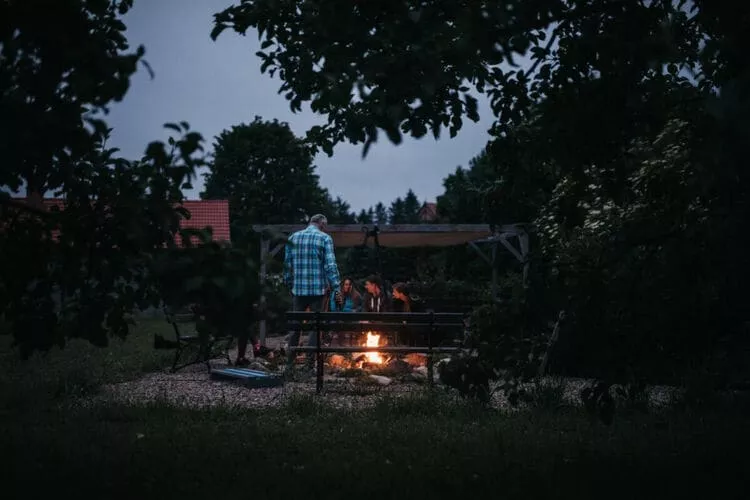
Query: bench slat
(181, 318)
(414, 318)
(374, 327)
(384, 349)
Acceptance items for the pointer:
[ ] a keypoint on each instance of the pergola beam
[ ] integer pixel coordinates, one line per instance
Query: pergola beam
(481, 253)
(397, 228)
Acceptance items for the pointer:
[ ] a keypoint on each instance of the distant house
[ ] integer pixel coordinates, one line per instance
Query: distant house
(208, 213)
(203, 213)
(428, 212)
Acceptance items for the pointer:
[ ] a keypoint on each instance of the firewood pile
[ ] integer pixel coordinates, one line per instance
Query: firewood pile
(410, 367)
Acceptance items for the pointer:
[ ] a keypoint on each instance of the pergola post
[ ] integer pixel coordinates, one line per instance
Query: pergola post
(494, 272)
(523, 241)
(503, 237)
(264, 246)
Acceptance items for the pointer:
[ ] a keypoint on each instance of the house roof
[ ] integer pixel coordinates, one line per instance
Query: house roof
(428, 211)
(208, 213)
(203, 213)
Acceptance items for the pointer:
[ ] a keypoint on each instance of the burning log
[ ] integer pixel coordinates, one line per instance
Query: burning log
(416, 359)
(380, 368)
(338, 361)
(369, 360)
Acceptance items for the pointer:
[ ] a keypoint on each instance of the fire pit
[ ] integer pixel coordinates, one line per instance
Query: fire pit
(374, 356)
(376, 364)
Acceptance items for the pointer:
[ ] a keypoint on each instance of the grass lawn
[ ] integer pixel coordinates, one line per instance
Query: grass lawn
(421, 447)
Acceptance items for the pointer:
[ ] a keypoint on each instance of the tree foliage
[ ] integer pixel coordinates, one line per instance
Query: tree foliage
(268, 176)
(380, 214)
(221, 282)
(265, 172)
(61, 65)
(58, 73)
(365, 216)
(398, 67)
(338, 211)
(411, 67)
(624, 139)
(405, 210)
(81, 269)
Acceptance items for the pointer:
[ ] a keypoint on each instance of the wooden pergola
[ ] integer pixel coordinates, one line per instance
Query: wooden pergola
(513, 237)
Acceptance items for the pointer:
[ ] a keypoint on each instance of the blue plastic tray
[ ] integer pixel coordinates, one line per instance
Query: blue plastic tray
(249, 378)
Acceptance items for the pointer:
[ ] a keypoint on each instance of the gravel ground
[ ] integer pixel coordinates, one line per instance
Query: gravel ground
(193, 387)
(197, 390)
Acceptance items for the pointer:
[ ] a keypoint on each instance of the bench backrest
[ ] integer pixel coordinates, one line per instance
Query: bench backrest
(178, 318)
(383, 322)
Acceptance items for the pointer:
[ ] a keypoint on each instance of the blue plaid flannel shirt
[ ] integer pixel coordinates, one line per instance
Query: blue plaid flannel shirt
(309, 263)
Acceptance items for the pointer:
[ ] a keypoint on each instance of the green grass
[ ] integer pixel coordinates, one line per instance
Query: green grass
(423, 447)
(80, 368)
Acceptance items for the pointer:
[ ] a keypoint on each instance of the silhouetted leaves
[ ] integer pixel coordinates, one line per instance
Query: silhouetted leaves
(79, 270)
(624, 141)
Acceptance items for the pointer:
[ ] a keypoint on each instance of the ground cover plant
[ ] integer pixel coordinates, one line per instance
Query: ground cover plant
(420, 446)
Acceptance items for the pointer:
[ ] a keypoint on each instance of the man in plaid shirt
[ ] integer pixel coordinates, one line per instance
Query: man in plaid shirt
(310, 271)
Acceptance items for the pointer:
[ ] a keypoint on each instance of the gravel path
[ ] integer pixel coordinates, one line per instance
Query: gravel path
(193, 387)
(198, 390)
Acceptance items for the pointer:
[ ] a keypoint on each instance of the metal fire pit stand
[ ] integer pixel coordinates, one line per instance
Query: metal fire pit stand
(430, 323)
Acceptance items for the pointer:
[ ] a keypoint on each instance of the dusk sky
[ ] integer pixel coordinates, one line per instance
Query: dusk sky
(214, 85)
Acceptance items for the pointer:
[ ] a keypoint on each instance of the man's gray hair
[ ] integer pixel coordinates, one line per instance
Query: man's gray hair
(319, 219)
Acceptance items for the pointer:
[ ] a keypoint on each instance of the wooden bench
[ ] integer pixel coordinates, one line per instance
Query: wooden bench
(400, 325)
(203, 348)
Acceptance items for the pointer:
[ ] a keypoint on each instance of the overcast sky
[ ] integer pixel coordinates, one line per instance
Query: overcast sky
(214, 85)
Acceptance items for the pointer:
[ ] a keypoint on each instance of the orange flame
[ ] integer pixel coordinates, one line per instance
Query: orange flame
(372, 341)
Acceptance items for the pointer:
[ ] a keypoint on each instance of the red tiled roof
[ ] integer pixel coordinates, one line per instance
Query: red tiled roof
(213, 213)
(203, 213)
(428, 212)
(50, 202)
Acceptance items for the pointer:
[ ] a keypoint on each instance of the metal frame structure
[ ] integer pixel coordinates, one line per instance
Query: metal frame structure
(431, 323)
(405, 236)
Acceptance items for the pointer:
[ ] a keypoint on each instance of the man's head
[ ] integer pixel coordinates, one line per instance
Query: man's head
(373, 284)
(320, 221)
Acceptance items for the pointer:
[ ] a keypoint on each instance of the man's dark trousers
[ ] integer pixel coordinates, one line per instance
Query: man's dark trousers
(301, 303)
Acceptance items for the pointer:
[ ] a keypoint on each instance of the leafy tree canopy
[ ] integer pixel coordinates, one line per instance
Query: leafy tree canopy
(339, 211)
(80, 270)
(497, 188)
(268, 176)
(406, 210)
(380, 214)
(409, 67)
(366, 216)
(62, 63)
